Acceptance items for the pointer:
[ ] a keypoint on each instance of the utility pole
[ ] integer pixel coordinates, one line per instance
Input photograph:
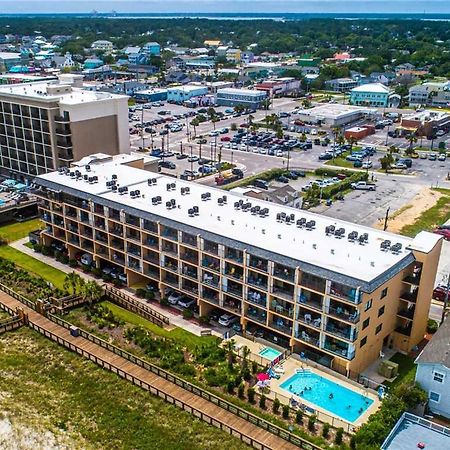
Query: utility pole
(386, 219)
(445, 299)
(142, 127)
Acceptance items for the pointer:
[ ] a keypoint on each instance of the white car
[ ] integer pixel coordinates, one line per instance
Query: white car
(367, 165)
(279, 153)
(227, 320)
(186, 302)
(175, 297)
(213, 133)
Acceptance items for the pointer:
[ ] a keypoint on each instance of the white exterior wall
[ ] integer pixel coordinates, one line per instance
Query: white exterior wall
(425, 377)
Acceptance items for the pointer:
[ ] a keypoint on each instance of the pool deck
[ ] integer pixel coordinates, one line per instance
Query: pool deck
(290, 365)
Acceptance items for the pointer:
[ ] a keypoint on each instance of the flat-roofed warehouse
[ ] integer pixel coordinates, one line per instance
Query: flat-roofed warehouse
(334, 114)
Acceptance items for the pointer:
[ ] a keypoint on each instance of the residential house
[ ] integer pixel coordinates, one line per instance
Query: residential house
(102, 45)
(430, 94)
(433, 370)
(233, 55)
(340, 84)
(151, 49)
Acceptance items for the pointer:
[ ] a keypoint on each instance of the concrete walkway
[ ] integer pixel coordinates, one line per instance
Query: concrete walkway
(175, 319)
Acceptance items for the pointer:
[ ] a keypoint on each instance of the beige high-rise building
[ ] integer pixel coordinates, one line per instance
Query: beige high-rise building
(47, 125)
(336, 292)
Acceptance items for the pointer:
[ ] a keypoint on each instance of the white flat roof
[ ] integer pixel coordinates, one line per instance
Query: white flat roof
(361, 262)
(236, 91)
(335, 110)
(187, 88)
(38, 91)
(376, 88)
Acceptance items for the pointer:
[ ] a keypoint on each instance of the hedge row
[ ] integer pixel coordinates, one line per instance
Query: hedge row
(269, 175)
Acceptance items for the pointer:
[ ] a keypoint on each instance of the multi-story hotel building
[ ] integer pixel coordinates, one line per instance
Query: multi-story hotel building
(46, 125)
(335, 291)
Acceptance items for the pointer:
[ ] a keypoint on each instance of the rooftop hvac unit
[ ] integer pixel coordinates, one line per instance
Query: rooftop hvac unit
(301, 222)
(396, 248)
(385, 245)
(310, 225)
(339, 233)
(329, 229)
(88, 168)
(113, 177)
(352, 236)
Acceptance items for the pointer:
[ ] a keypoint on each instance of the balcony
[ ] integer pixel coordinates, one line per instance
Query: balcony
(170, 248)
(71, 212)
(99, 209)
(283, 290)
(311, 300)
(189, 256)
(409, 296)
(84, 217)
(412, 279)
(211, 247)
(282, 308)
(117, 244)
(211, 279)
(339, 349)
(190, 271)
(233, 289)
(100, 223)
(189, 239)
(284, 272)
(170, 264)
(152, 257)
(101, 250)
(311, 319)
(114, 214)
(87, 245)
(405, 330)
(407, 313)
(152, 242)
(346, 332)
(151, 226)
(233, 271)
(118, 259)
(308, 336)
(234, 255)
(232, 304)
(312, 282)
(169, 233)
(132, 220)
(342, 313)
(189, 286)
(283, 325)
(152, 272)
(210, 295)
(74, 240)
(256, 315)
(134, 250)
(211, 263)
(257, 298)
(258, 263)
(73, 228)
(65, 154)
(345, 292)
(171, 280)
(255, 279)
(134, 236)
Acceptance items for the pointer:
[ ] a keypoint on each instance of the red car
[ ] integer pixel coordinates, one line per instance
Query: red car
(225, 138)
(439, 293)
(443, 232)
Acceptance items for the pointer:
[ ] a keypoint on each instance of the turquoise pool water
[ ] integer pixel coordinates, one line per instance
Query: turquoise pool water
(326, 394)
(269, 353)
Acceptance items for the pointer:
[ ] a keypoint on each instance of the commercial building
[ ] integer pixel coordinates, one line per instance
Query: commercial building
(182, 94)
(102, 45)
(245, 97)
(341, 84)
(425, 123)
(433, 371)
(151, 48)
(9, 59)
(359, 132)
(47, 125)
(334, 114)
(430, 94)
(372, 94)
(17, 78)
(151, 95)
(280, 86)
(332, 291)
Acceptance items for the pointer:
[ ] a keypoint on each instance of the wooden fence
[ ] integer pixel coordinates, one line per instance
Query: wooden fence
(10, 324)
(131, 304)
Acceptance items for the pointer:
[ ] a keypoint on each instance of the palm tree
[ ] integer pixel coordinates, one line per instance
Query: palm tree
(245, 353)
(229, 348)
(388, 159)
(351, 140)
(73, 282)
(266, 103)
(214, 120)
(92, 292)
(195, 123)
(412, 138)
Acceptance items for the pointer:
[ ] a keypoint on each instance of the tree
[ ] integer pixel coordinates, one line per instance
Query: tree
(214, 120)
(195, 123)
(73, 282)
(265, 104)
(412, 138)
(306, 103)
(352, 141)
(388, 159)
(229, 348)
(245, 352)
(92, 292)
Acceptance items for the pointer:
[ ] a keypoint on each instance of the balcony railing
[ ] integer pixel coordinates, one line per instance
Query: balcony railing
(407, 313)
(233, 306)
(280, 309)
(283, 328)
(211, 264)
(258, 317)
(193, 258)
(286, 294)
(257, 298)
(152, 242)
(342, 332)
(233, 256)
(259, 264)
(409, 296)
(412, 279)
(310, 320)
(151, 258)
(258, 282)
(340, 351)
(233, 290)
(345, 292)
(153, 273)
(310, 303)
(342, 314)
(306, 337)
(284, 274)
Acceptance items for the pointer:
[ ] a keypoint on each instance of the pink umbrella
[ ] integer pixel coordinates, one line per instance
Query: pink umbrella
(262, 376)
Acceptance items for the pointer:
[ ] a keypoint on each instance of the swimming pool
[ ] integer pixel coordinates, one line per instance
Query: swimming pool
(338, 400)
(270, 353)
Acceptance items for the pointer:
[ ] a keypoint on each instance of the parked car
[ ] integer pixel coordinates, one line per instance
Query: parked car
(86, 259)
(167, 164)
(186, 302)
(226, 320)
(367, 165)
(261, 184)
(362, 186)
(283, 179)
(443, 232)
(442, 157)
(174, 297)
(193, 158)
(440, 293)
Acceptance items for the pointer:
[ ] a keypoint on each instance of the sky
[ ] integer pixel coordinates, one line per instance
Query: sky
(226, 6)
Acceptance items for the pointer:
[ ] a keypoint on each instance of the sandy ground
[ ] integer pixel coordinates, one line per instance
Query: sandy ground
(406, 215)
(15, 436)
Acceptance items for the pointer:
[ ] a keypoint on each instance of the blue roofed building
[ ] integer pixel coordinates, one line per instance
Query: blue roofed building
(151, 49)
(93, 63)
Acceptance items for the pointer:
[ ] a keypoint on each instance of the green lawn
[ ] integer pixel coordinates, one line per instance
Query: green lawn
(48, 388)
(406, 369)
(340, 162)
(33, 265)
(18, 230)
(182, 336)
(429, 219)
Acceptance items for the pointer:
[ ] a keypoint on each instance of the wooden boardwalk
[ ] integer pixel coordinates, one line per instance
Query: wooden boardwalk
(170, 391)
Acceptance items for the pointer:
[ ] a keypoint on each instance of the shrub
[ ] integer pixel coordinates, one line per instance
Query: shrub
(97, 272)
(286, 410)
(312, 422)
(230, 386)
(164, 302)
(37, 248)
(73, 263)
(140, 292)
(262, 401)
(432, 326)
(326, 430)
(246, 375)
(299, 416)
(251, 395)
(241, 390)
(204, 320)
(254, 367)
(339, 436)
(64, 259)
(150, 295)
(276, 406)
(46, 251)
(187, 314)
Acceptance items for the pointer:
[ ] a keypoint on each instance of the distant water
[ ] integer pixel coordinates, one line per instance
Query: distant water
(246, 16)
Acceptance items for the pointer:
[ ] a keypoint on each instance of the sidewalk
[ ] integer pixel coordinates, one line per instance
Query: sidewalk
(175, 319)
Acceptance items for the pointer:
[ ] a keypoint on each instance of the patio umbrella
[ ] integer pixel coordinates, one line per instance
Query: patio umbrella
(262, 376)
